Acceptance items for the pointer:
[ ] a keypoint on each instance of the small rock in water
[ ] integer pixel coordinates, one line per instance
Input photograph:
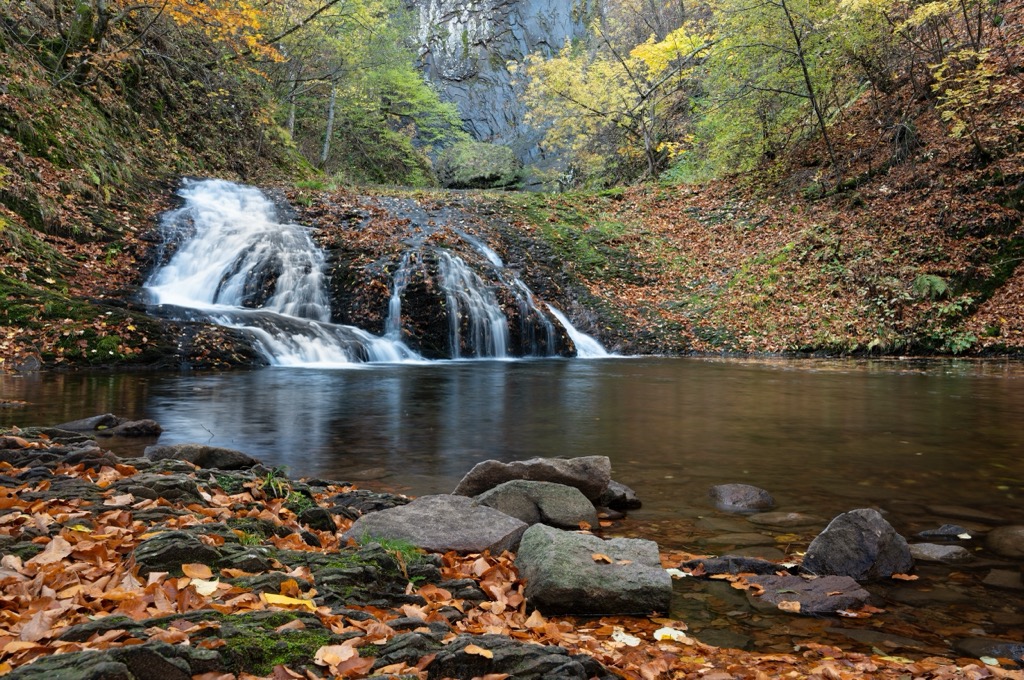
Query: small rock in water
(92, 424)
(961, 512)
(978, 647)
(1004, 578)
(738, 540)
(934, 552)
(785, 519)
(860, 544)
(732, 564)
(618, 496)
(1006, 541)
(741, 498)
(950, 532)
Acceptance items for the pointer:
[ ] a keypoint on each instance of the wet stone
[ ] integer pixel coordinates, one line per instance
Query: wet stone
(934, 552)
(823, 595)
(764, 552)
(738, 540)
(785, 519)
(717, 524)
(1004, 578)
(1006, 541)
(977, 647)
(949, 532)
(879, 639)
(732, 564)
(741, 498)
(924, 598)
(723, 637)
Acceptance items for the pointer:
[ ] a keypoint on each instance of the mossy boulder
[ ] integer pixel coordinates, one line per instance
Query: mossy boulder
(478, 165)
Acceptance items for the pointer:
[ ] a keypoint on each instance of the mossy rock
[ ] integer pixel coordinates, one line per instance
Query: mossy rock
(479, 165)
(250, 649)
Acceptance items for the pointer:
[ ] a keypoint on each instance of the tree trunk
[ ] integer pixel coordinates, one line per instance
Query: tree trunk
(325, 152)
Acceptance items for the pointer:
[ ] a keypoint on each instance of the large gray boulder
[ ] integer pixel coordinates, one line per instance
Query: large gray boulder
(860, 544)
(548, 503)
(441, 523)
(589, 474)
(203, 456)
(567, 573)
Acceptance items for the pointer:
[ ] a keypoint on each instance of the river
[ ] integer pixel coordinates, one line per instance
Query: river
(911, 438)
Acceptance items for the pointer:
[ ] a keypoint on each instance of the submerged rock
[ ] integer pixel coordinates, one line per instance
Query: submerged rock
(822, 595)
(1006, 541)
(581, 574)
(441, 523)
(731, 564)
(785, 519)
(741, 498)
(860, 544)
(589, 474)
(950, 532)
(557, 505)
(618, 496)
(934, 552)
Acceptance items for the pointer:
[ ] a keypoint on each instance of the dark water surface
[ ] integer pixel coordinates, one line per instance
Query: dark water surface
(909, 438)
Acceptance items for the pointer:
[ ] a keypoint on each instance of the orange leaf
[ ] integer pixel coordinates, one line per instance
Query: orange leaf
(904, 577)
(197, 571)
(599, 557)
(55, 551)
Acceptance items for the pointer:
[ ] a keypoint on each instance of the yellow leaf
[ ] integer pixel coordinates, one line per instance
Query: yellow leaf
(479, 651)
(599, 557)
(284, 600)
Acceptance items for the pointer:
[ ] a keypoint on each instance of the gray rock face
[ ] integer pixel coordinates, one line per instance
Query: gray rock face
(589, 474)
(860, 544)
(563, 577)
(557, 505)
(823, 595)
(465, 49)
(741, 498)
(441, 523)
(203, 456)
(934, 552)
(1006, 541)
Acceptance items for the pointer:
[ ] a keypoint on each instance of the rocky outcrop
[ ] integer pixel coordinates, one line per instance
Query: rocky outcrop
(466, 49)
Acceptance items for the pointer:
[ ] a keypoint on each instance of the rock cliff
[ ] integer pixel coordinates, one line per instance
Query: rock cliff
(466, 48)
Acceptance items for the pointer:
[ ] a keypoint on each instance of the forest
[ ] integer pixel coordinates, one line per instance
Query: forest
(784, 177)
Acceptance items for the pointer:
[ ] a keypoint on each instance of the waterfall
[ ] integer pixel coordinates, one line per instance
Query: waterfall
(586, 346)
(241, 267)
(472, 303)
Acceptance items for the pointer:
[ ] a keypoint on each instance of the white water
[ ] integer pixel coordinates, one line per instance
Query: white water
(586, 346)
(241, 257)
(239, 266)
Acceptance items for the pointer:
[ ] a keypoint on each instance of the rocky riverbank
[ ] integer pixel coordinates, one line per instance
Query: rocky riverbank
(195, 562)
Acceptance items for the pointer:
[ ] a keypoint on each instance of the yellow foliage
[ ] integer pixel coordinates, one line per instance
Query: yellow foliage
(677, 45)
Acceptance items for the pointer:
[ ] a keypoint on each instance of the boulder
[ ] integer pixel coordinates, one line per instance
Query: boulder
(618, 496)
(741, 498)
(860, 544)
(934, 552)
(557, 505)
(1006, 541)
(441, 523)
(817, 596)
(581, 574)
(589, 474)
(203, 456)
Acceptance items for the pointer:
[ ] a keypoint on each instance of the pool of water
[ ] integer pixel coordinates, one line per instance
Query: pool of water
(925, 442)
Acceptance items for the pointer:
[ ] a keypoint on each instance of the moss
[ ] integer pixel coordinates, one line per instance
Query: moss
(250, 649)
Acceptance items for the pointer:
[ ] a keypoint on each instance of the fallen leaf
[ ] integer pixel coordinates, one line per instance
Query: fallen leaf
(479, 651)
(667, 633)
(625, 638)
(332, 655)
(56, 550)
(791, 606)
(904, 577)
(204, 587)
(196, 570)
(599, 557)
(284, 600)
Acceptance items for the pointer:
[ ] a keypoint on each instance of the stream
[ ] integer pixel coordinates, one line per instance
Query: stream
(925, 442)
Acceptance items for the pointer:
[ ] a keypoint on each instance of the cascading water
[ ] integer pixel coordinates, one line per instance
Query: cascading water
(243, 268)
(238, 265)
